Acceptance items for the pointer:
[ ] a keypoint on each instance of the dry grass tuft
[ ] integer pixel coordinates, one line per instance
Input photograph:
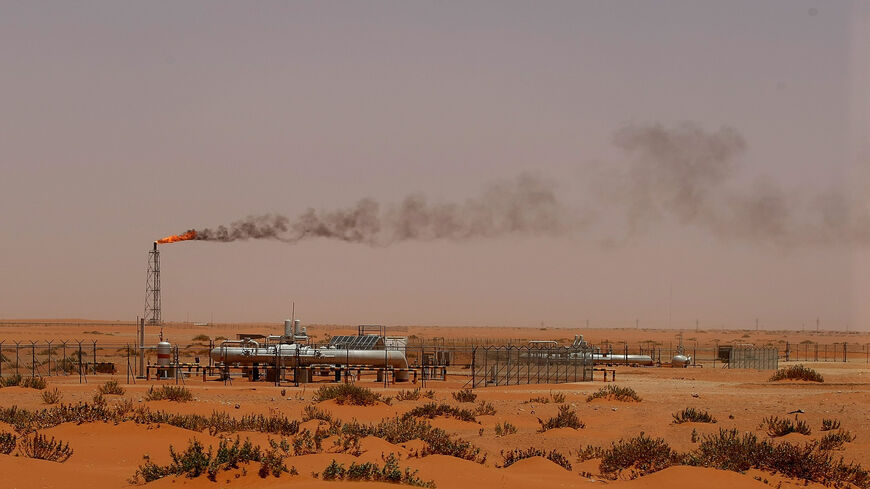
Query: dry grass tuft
(797, 372)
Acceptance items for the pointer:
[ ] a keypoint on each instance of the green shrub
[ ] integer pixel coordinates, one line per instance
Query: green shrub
(835, 440)
(40, 447)
(369, 471)
(51, 397)
(196, 461)
(432, 410)
(409, 395)
(347, 394)
(10, 381)
(111, 387)
(615, 393)
(503, 429)
(692, 415)
(401, 430)
(781, 427)
(640, 455)
(728, 450)
(7, 442)
(175, 393)
(272, 462)
(567, 418)
(516, 455)
(34, 383)
(484, 409)
(465, 395)
(797, 372)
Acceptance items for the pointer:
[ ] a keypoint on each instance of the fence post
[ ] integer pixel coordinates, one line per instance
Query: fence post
(473, 372)
(80, 362)
(49, 358)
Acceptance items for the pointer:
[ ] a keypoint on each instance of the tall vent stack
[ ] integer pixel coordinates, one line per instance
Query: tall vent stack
(152, 289)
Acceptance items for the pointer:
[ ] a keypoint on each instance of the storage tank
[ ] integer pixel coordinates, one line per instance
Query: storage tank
(680, 361)
(164, 354)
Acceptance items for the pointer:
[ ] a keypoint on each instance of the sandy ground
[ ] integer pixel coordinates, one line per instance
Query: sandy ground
(107, 455)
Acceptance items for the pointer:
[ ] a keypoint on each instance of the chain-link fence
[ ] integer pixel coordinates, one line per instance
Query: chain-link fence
(514, 365)
(759, 358)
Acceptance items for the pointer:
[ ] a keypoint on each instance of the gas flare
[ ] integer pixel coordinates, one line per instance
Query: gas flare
(178, 237)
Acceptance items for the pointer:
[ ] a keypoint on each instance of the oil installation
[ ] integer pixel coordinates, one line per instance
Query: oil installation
(275, 354)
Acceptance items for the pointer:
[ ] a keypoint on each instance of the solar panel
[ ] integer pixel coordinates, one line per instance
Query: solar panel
(365, 342)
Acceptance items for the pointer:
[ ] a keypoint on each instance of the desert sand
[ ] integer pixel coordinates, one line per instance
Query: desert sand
(106, 454)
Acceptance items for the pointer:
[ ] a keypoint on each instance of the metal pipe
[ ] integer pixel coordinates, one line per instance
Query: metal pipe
(296, 355)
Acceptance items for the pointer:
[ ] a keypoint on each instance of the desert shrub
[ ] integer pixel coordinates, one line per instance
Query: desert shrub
(830, 424)
(401, 430)
(589, 453)
(797, 372)
(40, 447)
(558, 397)
(370, 471)
(409, 395)
(272, 463)
(195, 461)
(51, 397)
(347, 394)
(692, 415)
(25, 421)
(307, 443)
(484, 409)
(465, 395)
(615, 393)
(333, 471)
(34, 383)
(567, 418)
(7, 442)
(202, 337)
(640, 455)
(835, 440)
(111, 387)
(516, 455)
(169, 392)
(10, 381)
(503, 429)
(313, 412)
(98, 399)
(348, 443)
(219, 422)
(727, 450)
(430, 394)
(781, 427)
(432, 410)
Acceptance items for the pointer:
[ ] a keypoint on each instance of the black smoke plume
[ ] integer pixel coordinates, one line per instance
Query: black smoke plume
(527, 205)
(683, 173)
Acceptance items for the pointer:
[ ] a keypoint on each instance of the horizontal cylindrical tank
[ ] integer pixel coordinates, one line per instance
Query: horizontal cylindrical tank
(614, 359)
(681, 361)
(291, 355)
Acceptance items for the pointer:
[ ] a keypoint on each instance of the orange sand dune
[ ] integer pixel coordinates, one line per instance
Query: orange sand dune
(107, 455)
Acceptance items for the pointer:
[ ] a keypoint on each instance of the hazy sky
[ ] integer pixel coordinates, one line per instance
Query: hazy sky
(123, 122)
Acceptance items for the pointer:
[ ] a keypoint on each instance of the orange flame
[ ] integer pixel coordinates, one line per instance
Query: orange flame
(178, 237)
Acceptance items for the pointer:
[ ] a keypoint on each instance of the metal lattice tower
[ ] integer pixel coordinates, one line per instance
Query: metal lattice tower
(152, 289)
